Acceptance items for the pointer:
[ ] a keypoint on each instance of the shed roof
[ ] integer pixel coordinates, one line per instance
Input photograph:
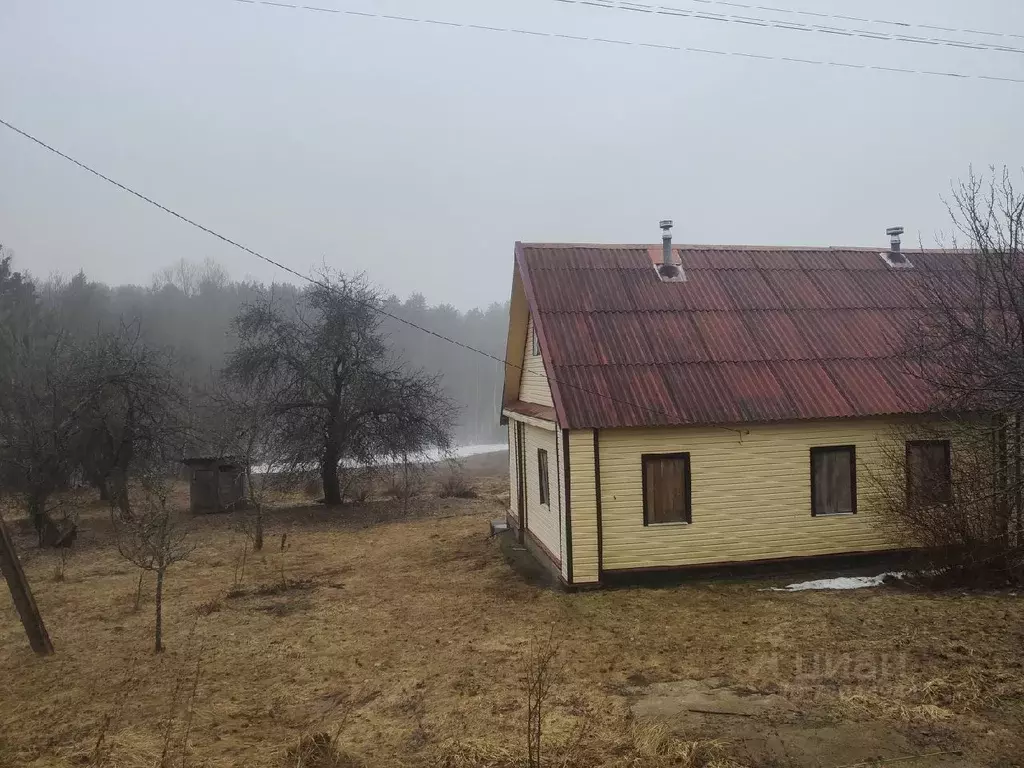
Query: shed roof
(752, 335)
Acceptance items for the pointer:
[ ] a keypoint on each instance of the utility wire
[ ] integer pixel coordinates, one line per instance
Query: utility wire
(794, 26)
(860, 19)
(318, 283)
(617, 42)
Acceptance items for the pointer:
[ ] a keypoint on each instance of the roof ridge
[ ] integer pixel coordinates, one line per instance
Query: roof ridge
(741, 247)
(731, 362)
(734, 310)
(716, 268)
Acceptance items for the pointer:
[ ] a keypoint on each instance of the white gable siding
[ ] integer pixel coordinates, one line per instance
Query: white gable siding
(533, 384)
(543, 520)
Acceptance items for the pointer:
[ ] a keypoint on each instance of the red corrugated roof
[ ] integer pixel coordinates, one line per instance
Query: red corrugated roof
(752, 334)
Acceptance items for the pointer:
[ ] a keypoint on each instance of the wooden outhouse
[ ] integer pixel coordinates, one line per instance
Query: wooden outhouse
(216, 483)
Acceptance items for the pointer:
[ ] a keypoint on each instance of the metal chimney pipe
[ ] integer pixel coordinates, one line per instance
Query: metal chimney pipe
(666, 242)
(894, 243)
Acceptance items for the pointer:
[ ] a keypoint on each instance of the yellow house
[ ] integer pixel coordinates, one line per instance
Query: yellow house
(671, 407)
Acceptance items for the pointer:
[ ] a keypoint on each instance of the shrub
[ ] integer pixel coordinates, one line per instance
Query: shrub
(208, 607)
(359, 493)
(457, 486)
(357, 484)
(405, 481)
(966, 519)
(313, 488)
(319, 750)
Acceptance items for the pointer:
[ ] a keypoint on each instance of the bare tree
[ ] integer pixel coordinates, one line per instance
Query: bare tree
(542, 672)
(191, 277)
(43, 392)
(969, 338)
(407, 479)
(332, 387)
(135, 419)
(240, 422)
(966, 342)
(40, 427)
(153, 539)
(100, 404)
(957, 517)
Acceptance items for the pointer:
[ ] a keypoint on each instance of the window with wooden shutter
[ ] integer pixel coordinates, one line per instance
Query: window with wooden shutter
(542, 475)
(834, 480)
(666, 488)
(929, 475)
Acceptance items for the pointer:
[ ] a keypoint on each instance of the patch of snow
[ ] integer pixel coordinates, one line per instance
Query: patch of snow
(841, 582)
(457, 452)
(464, 451)
(426, 457)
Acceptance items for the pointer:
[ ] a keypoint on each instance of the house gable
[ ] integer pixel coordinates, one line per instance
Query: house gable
(533, 383)
(526, 379)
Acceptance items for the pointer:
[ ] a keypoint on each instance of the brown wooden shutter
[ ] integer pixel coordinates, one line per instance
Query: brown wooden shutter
(929, 477)
(666, 488)
(833, 480)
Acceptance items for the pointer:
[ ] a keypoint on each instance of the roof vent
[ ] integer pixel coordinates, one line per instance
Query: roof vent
(894, 256)
(668, 271)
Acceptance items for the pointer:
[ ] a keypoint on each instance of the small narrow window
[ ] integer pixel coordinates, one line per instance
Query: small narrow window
(542, 476)
(929, 476)
(536, 343)
(666, 488)
(834, 480)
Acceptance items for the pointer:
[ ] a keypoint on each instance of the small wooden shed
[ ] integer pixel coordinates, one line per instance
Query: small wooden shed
(216, 483)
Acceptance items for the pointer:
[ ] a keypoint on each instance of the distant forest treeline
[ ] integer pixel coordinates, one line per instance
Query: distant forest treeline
(190, 307)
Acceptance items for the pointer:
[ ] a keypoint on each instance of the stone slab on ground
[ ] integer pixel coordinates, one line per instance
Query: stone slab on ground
(685, 697)
(769, 729)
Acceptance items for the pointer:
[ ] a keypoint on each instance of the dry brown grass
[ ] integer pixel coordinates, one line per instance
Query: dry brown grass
(403, 641)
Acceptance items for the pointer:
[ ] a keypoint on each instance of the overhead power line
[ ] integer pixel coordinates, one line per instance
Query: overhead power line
(319, 283)
(859, 19)
(617, 42)
(791, 25)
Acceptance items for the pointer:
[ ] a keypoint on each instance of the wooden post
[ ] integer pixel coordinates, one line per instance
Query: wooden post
(13, 573)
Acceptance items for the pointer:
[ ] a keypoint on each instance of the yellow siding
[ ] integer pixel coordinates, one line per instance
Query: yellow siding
(560, 490)
(583, 506)
(751, 496)
(542, 520)
(533, 387)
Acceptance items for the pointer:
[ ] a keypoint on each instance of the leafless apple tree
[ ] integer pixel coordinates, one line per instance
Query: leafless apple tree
(330, 386)
(241, 422)
(153, 539)
(134, 420)
(42, 397)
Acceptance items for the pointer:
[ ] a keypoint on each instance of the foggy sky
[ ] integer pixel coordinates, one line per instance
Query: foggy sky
(419, 153)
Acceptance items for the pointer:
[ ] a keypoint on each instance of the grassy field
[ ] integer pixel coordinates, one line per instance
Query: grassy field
(405, 642)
